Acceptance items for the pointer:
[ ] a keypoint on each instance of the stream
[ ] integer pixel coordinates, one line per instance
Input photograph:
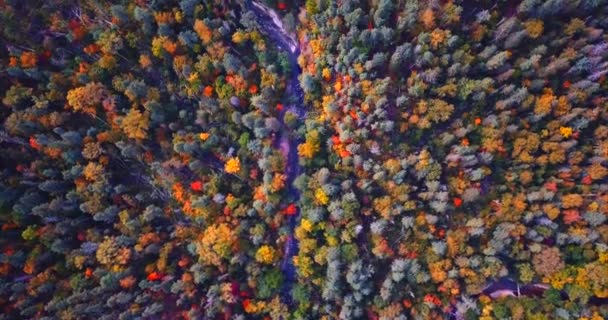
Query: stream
(293, 101)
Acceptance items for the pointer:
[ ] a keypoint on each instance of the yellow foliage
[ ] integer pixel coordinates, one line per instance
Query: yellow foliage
(268, 79)
(358, 68)
(179, 16)
(86, 98)
(317, 47)
(135, 124)
(92, 171)
(158, 46)
(331, 241)
(566, 132)
(307, 245)
(216, 244)
(311, 146)
(307, 150)
(233, 165)
(383, 206)
(563, 106)
(321, 197)
(594, 276)
(574, 26)
(304, 265)
(551, 211)
(544, 102)
(306, 225)
(438, 36)
(254, 307)
(326, 74)
(326, 101)
(265, 254)
(321, 255)
(366, 87)
(438, 270)
(534, 28)
(572, 201)
(596, 171)
(107, 61)
(239, 37)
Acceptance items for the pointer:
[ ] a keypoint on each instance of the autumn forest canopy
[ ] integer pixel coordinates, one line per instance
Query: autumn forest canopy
(317, 159)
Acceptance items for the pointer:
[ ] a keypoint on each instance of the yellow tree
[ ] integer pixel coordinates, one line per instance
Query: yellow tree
(135, 124)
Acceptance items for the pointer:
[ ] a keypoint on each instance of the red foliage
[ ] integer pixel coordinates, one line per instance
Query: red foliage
(34, 144)
(281, 5)
(9, 251)
(88, 272)
(208, 92)
(551, 186)
(45, 55)
(457, 202)
(407, 303)
(587, 180)
(571, 216)
(431, 298)
(78, 30)
(183, 262)
(372, 315)
(335, 140)
(9, 226)
(253, 173)
(197, 185)
(291, 210)
(344, 153)
(441, 233)
(253, 89)
(279, 107)
(154, 276)
(235, 288)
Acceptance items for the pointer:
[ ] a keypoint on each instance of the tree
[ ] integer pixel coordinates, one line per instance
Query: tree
(87, 98)
(135, 124)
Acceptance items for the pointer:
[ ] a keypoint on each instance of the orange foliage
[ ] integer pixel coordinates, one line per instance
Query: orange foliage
(128, 282)
(208, 91)
(203, 31)
(428, 18)
(91, 49)
(28, 59)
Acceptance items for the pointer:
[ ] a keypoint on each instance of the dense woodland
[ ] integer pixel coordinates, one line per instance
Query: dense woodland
(157, 161)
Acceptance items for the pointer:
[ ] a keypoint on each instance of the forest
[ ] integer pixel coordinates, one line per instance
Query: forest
(306, 159)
